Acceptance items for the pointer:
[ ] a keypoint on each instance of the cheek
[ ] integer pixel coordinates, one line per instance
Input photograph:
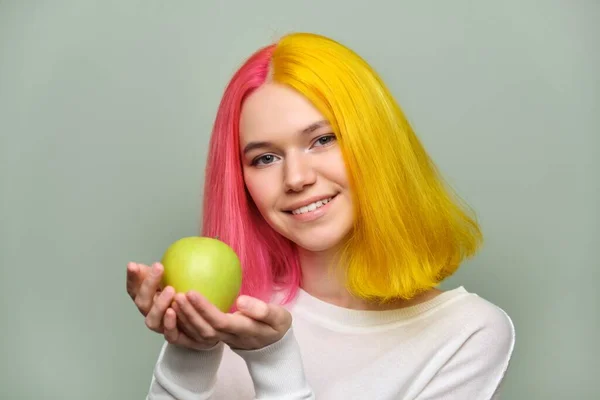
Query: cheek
(261, 190)
(336, 170)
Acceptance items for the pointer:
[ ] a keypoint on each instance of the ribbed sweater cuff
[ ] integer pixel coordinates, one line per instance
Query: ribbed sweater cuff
(277, 370)
(188, 373)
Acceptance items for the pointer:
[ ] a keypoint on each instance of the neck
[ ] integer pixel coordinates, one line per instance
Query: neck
(321, 280)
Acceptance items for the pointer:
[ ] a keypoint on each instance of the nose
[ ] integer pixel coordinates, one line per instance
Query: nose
(298, 173)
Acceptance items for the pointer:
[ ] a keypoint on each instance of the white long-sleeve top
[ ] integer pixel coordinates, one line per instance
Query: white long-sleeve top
(456, 346)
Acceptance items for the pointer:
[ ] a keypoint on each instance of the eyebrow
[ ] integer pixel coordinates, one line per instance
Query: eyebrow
(309, 129)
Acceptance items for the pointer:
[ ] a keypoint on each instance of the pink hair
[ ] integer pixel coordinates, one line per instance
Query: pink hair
(267, 258)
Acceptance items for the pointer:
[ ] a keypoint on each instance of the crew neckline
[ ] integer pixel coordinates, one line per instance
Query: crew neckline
(331, 314)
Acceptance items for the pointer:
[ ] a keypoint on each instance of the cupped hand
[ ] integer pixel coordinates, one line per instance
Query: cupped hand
(158, 308)
(254, 325)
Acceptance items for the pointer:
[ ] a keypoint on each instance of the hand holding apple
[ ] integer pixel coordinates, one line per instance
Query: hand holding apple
(255, 325)
(158, 308)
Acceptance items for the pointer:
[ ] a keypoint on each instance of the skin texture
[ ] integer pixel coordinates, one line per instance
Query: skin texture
(301, 161)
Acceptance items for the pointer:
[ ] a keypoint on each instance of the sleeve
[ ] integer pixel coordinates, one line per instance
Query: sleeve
(277, 370)
(185, 374)
(476, 371)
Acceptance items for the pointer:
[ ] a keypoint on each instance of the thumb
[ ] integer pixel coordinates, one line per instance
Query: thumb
(270, 314)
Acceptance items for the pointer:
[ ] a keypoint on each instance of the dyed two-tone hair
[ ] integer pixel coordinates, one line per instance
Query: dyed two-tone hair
(410, 231)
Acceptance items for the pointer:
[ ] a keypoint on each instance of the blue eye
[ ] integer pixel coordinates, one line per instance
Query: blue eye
(325, 140)
(264, 160)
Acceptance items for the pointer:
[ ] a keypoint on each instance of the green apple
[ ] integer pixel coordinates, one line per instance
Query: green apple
(205, 265)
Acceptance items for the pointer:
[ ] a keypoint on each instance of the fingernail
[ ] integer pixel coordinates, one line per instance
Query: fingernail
(156, 270)
(243, 302)
(193, 297)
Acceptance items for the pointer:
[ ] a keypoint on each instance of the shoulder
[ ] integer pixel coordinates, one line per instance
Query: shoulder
(487, 316)
(475, 339)
(473, 311)
(483, 325)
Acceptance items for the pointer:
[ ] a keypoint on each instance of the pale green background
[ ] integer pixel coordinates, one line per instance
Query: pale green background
(105, 113)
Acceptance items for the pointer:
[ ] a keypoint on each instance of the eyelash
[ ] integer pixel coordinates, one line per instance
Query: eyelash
(255, 162)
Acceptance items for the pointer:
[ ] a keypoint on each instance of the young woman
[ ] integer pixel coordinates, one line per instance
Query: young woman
(344, 229)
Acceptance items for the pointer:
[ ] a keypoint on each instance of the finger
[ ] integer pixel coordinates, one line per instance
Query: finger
(270, 314)
(209, 312)
(170, 325)
(136, 273)
(183, 322)
(204, 329)
(133, 279)
(236, 324)
(187, 328)
(145, 296)
(154, 319)
(172, 334)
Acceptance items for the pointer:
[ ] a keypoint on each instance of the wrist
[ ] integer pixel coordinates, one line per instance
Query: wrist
(276, 369)
(180, 366)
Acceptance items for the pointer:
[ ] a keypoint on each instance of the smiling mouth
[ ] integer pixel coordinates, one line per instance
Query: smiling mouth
(311, 207)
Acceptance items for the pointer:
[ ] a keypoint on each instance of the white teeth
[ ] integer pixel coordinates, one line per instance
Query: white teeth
(311, 206)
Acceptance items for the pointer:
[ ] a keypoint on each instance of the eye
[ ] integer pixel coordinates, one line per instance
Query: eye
(325, 140)
(264, 160)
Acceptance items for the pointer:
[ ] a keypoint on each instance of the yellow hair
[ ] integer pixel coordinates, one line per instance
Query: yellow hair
(410, 230)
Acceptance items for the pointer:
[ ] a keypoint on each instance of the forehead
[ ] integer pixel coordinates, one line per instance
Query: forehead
(276, 109)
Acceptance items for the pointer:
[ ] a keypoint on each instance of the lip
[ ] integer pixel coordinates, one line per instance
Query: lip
(316, 213)
(308, 201)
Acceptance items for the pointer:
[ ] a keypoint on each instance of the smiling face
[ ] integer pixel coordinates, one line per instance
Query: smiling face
(294, 169)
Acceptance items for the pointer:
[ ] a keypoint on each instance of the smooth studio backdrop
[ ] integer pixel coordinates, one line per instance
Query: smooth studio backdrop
(105, 114)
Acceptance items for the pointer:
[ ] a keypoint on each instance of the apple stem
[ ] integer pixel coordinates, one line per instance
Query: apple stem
(217, 237)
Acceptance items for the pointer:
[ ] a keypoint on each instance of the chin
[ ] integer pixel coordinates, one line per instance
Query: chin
(316, 246)
(315, 241)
